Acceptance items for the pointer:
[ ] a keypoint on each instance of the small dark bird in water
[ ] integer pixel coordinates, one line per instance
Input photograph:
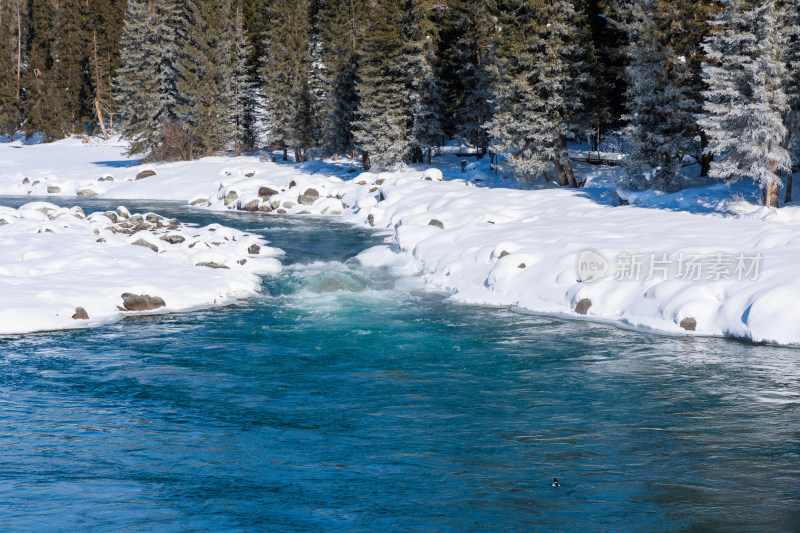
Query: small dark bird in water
(556, 483)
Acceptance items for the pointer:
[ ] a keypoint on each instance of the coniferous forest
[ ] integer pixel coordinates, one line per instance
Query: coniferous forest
(714, 83)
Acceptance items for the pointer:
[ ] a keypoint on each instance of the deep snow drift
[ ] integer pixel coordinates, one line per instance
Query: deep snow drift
(60, 269)
(705, 259)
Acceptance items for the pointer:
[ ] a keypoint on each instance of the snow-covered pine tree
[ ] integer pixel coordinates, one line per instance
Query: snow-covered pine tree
(286, 71)
(10, 101)
(341, 28)
(472, 50)
(792, 88)
(661, 124)
(144, 87)
(205, 75)
(70, 71)
(540, 87)
(606, 58)
(746, 103)
(792, 23)
(425, 105)
(105, 21)
(382, 126)
(243, 88)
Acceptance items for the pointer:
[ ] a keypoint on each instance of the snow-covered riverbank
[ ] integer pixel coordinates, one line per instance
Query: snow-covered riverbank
(704, 260)
(60, 269)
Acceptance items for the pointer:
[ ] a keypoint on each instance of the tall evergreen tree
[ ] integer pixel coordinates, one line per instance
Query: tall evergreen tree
(243, 88)
(466, 60)
(41, 105)
(145, 82)
(341, 30)
(539, 89)
(206, 68)
(71, 47)
(287, 74)
(606, 58)
(792, 23)
(746, 103)
(10, 102)
(662, 123)
(792, 88)
(382, 126)
(104, 21)
(423, 83)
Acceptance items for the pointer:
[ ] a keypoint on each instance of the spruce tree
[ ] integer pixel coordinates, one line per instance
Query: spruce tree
(9, 94)
(341, 30)
(40, 105)
(70, 72)
(746, 103)
(606, 58)
(205, 84)
(792, 23)
(466, 60)
(662, 122)
(423, 84)
(292, 110)
(144, 87)
(792, 88)
(540, 87)
(243, 89)
(104, 21)
(382, 126)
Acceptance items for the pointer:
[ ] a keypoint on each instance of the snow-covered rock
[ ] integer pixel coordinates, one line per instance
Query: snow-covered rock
(61, 270)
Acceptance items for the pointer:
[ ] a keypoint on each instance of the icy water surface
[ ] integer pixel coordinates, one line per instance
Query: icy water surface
(336, 402)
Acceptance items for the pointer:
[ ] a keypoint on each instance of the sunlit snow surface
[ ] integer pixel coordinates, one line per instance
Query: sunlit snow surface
(55, 261)
(501, 245)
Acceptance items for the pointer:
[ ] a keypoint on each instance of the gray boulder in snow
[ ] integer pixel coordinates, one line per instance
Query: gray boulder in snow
(141, 302)
(308, 197)
(437, 223)
(231, 197)
(145, 174)
(583, 306)
(266, 192)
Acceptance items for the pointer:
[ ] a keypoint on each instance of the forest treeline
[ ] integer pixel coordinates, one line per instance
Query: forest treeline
(714, 82)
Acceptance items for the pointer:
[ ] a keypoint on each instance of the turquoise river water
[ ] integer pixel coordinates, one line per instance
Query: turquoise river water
(337, 401)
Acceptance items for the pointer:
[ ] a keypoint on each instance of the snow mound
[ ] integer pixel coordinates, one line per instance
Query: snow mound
(60, 269)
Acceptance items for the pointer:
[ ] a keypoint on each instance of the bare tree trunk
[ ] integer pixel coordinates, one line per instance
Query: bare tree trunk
(788, 196)
(429, 155)
(597, 143)
(564, 156)
(100, 119)
(788, 145)
(589, 148)
(772, 186)
(562, 177)
(772, 194)
(98, 87)
(707, 158)
(285, 153)
(365, 160)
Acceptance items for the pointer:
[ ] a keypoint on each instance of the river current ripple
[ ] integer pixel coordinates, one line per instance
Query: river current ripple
(340, 401)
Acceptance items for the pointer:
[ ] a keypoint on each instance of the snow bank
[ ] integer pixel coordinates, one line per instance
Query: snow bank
(62, 270)
(703, 260)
